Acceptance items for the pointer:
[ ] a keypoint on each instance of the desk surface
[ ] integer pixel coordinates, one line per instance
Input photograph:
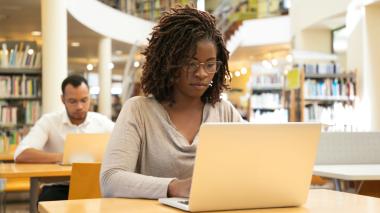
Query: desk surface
(319, 201)
(349, 172)
(8, 170)
(6, 156)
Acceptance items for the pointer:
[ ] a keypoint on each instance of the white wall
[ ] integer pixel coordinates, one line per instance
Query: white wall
(110, 22)
(258, 32)
(318, 40)
(305, 13)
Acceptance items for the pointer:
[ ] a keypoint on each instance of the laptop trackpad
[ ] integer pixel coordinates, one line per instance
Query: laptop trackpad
(181, 203)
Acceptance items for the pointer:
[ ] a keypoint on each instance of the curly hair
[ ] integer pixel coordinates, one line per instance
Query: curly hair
(173, 41)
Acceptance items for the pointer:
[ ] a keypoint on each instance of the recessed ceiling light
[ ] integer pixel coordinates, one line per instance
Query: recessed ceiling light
(243, 70)
(90, 67)
(118, 52)
(75, 44)
(136, 64)
(36, 33)
(30, 51)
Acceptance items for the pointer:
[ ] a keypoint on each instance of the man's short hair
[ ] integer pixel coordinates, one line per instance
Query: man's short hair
(74, 80)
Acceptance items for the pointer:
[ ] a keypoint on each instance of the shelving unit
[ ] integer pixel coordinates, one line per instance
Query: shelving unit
(20, 91)
(327, 97)
(266, 101)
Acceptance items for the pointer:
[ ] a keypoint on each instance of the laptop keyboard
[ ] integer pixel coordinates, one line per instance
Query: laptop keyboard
(186, 202)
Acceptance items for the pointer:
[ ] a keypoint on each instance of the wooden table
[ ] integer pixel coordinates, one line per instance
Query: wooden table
(6, 156)
(37, 173)
(319, 201)
(348, 172)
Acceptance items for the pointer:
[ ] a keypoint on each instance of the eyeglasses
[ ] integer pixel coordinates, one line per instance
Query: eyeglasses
(210, 67)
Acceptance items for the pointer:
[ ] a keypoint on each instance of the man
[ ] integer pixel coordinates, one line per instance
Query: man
(45, 141)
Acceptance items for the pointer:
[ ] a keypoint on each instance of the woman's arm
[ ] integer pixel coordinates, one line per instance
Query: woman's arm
(118, 173)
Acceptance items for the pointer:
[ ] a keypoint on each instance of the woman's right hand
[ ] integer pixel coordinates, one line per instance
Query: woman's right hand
(179, 188)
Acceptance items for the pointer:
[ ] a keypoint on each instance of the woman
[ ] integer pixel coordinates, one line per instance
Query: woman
(152, 148)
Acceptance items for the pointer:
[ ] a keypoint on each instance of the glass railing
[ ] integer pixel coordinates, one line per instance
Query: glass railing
(146, 9)
(235, 10)
(229, 13)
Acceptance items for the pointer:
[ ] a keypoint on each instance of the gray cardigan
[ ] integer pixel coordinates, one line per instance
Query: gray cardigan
(146, 151)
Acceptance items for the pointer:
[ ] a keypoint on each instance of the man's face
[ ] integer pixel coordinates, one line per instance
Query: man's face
(77, 102)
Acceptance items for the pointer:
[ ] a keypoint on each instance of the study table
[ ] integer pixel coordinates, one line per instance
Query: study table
(6, 156)
(348, 172)
(38, 173)
(319, 201)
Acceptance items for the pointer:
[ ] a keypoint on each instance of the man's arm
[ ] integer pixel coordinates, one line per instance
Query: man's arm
(32, 155)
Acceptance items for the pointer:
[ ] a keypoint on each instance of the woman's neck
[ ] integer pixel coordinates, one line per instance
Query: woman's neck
(184, 103)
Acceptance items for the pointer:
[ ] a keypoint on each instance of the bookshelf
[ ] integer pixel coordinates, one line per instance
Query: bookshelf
(266, 101)
(326, 94)
(150, 9)
(20, 91)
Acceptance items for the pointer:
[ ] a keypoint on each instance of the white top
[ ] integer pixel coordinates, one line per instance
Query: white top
(349, 171)
(146, 151)
(50, 131)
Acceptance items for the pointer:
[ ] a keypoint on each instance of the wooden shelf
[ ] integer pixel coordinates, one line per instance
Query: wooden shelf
(20, 70)
(316, 99)
(267, 108)
(332, 75)
(273, 87)
(298, 102)
(21, 98)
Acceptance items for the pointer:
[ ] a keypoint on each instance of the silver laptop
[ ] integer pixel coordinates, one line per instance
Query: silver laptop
(245, 166)
(84, 147)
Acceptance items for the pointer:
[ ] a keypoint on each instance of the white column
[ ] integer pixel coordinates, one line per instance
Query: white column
(318, 40)
(54, 53)
(371, 75)
(105, 76)
(362, 55)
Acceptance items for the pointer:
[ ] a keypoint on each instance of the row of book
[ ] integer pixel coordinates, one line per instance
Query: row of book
(26, 112)
(9, 141)
(266, 101)
(344, 88)
(8, 115)
(20, 86)
(14, 54)
(276, 116)
(266, 79)
(336, 115)
(321, 68)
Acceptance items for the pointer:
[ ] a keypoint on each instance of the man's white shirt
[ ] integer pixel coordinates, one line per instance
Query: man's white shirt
(49, 132)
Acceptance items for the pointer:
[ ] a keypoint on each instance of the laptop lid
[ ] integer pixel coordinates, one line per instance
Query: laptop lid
(245, 165)
(84, 147)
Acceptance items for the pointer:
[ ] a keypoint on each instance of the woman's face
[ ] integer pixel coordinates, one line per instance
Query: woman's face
(197, 74)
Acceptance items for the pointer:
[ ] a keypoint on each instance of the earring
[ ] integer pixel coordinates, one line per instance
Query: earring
(210, 84)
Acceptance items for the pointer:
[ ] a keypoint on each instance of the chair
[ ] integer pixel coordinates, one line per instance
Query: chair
(84, 181)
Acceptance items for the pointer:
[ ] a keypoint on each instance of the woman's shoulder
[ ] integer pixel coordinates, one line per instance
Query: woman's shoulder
(223, 105)
(140, 102)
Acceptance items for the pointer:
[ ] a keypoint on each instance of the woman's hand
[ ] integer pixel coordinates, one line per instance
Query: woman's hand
(179, 188)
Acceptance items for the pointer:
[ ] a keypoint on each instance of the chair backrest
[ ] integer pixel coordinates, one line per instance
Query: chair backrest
(84, 181)
(349, 148)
